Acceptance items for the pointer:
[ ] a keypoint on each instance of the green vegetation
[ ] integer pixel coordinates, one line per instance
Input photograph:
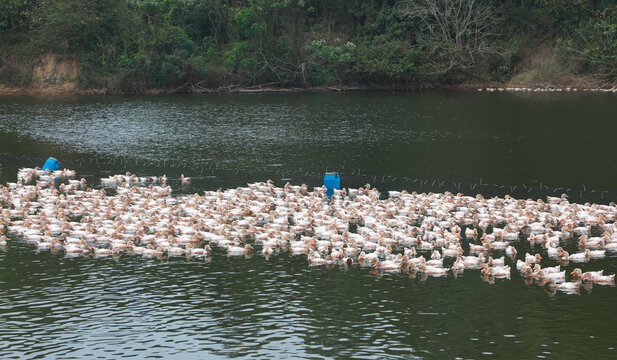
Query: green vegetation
(131, 45)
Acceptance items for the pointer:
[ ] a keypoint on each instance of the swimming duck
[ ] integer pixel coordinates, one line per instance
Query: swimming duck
(476, 249)
(151, 252)
(549, 270)
(563, 255)
(196, 251)
(511, 251)
(471, 262)
(434, 271)
(102, 252)
(612, 247)
(553, 252)
(601, 279)
(45, 245)
(557, 277)
(459, 265)
(471, 233)
(496, 271)
(175, 250)
(314, 259)
(411, 253)
(417, 261)
(495, 262)
(580, 257)
(435, 263)
(532, 258)
(239, 250)
(591, 243)
(452, 252)
(567, 287)
(267, 250)
(578, 275)
(387, 265)
(75, 249)
(500, 245)
(597, 254)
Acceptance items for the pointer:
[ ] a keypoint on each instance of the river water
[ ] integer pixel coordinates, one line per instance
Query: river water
(56, 307)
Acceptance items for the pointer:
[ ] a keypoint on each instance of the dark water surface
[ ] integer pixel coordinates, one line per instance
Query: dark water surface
(56, 307)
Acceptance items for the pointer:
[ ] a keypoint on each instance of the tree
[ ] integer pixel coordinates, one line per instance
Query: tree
(12, 13)
(596, 45)
(456, 34)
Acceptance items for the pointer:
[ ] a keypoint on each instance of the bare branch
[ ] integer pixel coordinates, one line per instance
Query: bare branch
(456, 32)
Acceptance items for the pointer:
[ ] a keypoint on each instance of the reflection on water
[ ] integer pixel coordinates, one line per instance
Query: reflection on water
(563, 140)
(57, 307)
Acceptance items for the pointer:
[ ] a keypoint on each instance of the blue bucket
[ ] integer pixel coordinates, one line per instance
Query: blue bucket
(51, 164)
(332, 181)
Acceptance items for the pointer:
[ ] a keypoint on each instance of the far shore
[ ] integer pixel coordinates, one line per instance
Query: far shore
(234, 89)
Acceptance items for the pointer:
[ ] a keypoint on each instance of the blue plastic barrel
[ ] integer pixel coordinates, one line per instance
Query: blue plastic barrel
(332, 181)
(51, 164)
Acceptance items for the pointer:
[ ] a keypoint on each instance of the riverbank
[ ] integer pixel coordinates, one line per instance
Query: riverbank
(62, 75)
(74, 91)
(68, 90)
(54, 74)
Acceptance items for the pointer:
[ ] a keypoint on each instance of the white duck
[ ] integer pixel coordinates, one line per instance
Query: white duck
(581, 256)
(532, 258)
(239, 250)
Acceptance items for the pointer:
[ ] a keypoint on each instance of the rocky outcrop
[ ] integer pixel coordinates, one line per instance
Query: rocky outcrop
(55, 72)
(51, 74)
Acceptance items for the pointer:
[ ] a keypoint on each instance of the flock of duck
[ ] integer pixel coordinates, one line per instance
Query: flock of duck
(421, 235)
(546, 89)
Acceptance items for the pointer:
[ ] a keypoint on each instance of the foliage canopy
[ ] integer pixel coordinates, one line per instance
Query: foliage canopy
(129, 45)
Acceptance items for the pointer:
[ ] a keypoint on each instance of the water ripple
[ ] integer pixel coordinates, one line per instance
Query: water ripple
(70, 308)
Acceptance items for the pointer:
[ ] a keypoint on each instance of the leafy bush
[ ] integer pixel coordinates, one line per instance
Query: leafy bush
(15, 70)
(328, 62)
(596, 43)
(13, 13)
